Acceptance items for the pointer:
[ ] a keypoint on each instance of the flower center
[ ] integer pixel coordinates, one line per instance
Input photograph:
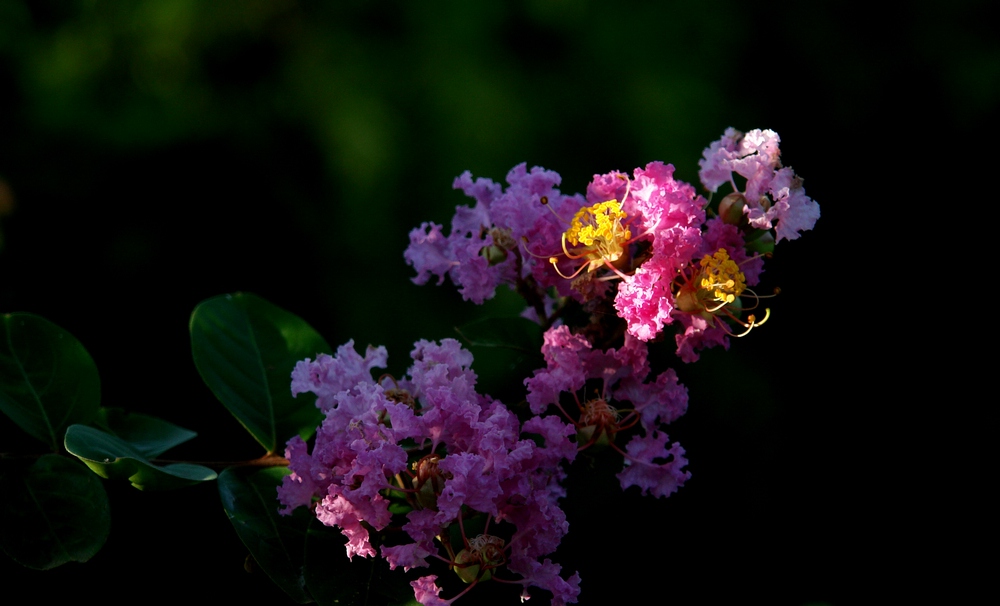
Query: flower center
(714, 290)
(477, 561)
(598, 423)
(598, 234)
(722, 277)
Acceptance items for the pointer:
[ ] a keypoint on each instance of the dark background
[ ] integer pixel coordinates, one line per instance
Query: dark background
(155, 154)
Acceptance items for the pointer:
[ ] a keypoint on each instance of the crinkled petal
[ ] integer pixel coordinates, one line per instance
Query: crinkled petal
(659, 402)
(338, 511)
(410, 555)
(428, 253)
(644, 300)
(652, 467)
(793, 209)
(698, 334)
(426, 591)
(545, 575)
(563, 371)
(328, 376)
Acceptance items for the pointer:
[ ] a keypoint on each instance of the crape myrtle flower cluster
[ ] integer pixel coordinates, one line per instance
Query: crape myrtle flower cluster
(673, 262)
(461, 463)
(465, 480)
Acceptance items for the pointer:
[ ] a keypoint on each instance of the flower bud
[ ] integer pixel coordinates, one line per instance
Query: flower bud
(477, 561)
(494, 254)
(429, 481)
(598, 424)
(686, 299)
(584, 435)
(467, 566)
(731, 208)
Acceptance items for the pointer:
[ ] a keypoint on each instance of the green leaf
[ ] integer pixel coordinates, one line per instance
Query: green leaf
(245, 349)
(53, 512)
(519, 334)
(48, 381)
(149, 436)
(112, 457)
(276, 542)
(760, 241)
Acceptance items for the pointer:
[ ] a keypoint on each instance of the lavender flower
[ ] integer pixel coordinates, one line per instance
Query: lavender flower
(622, 400)
(773, 197)
(506, 237)
(431, 444)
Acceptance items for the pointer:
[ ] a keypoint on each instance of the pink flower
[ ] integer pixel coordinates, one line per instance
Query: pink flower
(668, 210)
(773, 196)
(791, 209)
(335, 510)
(668, 214)
(426, 591)
(661, 402)
(645, 300)
(677, 259)
(609, 186)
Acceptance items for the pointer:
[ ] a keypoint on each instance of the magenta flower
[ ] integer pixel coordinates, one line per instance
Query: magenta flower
(665, 218)
(646, 300)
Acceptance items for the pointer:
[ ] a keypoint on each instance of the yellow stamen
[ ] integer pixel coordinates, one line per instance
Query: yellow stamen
(722, 275)
(596, 234)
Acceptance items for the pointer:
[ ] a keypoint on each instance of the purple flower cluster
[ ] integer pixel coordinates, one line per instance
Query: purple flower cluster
(620, 375)
(604, 274)
(430, 444)
(652, 234)
(507, 236)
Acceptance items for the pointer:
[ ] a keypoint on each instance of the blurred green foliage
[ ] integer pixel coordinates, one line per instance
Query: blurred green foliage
(350, 119)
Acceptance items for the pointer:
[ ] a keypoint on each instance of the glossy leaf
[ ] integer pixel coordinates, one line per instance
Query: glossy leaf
(149, 436)
(276, 542)
(512, 333)
(245, 349)
(53, 512)
(48, 381)
(113, 458)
